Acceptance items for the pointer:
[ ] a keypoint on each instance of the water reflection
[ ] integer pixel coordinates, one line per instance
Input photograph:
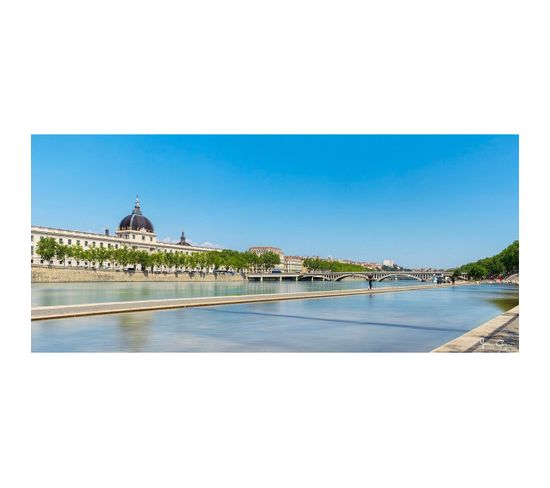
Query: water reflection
(399, 322)
(504, 304)
(134, 330)
(47, 294)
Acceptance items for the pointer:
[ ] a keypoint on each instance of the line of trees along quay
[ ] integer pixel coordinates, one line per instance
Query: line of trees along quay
(216, 261)
(315, 264)
(505, 263)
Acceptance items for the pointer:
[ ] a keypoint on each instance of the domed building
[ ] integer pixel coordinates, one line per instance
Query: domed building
(136, 226)
(135, 231)
(136, 220)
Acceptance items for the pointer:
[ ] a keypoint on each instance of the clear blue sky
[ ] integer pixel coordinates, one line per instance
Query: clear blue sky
(420, 200)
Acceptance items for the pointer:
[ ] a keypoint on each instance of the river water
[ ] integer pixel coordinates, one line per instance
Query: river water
(45, 294)
(415, 321)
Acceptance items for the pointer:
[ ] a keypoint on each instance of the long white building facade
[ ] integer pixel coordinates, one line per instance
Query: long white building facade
(135, 231)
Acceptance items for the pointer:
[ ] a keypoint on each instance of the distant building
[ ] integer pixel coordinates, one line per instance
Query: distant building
(388, 262)
(259, 250)
(289, 264)
(293, 264)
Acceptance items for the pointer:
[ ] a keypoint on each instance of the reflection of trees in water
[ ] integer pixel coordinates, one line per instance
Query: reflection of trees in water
(134, 330)
(504, 304)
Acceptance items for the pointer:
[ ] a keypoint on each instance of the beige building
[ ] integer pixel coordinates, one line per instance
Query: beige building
(135, 231)
(293, 264)
(289, 264)
(259, 250)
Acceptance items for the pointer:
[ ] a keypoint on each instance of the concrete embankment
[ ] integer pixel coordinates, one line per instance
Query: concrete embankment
(65, 311)
(43, 274)
(500, 334)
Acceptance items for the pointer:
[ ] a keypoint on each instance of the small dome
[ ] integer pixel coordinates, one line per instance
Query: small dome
(136, 220)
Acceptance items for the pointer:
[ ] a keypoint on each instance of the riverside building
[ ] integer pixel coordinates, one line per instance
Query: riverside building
(135, 231)
(289, 264)
(259, 250)
(293, 264)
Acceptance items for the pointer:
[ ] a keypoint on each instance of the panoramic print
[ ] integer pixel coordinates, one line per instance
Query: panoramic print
(275, 243)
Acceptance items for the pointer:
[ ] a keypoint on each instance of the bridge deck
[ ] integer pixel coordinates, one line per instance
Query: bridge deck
(335, 276)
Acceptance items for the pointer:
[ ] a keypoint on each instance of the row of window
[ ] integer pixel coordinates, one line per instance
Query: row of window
(70, 263)
(133, 236)
(77, 242)
(69, 241)
(152, 249)
(93, 244)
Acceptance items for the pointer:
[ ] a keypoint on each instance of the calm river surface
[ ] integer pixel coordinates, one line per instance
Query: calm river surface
(415, 321)
(44, 294)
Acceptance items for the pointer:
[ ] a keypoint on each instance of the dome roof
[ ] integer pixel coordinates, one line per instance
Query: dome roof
(136, 220)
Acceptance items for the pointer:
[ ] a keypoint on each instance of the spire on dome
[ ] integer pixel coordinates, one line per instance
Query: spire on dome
(137, 207)
(182, 241)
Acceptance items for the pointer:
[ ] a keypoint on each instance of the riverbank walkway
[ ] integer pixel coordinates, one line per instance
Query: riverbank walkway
(66, 311)
(500, 334)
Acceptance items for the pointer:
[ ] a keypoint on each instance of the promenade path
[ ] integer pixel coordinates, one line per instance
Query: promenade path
(500, 334)
(65, 311)
(504, 340)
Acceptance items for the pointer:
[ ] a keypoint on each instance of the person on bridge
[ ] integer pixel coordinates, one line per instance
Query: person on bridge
(370, 282)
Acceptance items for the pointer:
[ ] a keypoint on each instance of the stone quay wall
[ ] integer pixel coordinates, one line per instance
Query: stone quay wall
(43, 274)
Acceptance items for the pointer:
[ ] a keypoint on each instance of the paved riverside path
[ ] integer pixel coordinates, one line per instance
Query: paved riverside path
(504, 340)
(500, 334)
(65, 311)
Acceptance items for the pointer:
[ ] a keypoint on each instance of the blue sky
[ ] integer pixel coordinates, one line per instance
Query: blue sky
(419, 200)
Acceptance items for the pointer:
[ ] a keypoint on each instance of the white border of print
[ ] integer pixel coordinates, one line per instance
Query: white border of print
(273, 419)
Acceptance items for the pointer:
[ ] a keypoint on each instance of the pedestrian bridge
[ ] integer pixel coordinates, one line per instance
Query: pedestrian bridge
(330, 276)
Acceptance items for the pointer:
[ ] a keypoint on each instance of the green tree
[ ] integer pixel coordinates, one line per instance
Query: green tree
(47, 248)
(316, 264)
(92, 255)
(101, 255)
(269, 260)
(510, 258)
(143, 259)
(170, 260)
(159, 259)
(76, 252)
(477, 271)
(61, 252)
(180, 261)
(202, 261)
(121, 256)
(87, 256)
(251, 261)
(504, 263)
